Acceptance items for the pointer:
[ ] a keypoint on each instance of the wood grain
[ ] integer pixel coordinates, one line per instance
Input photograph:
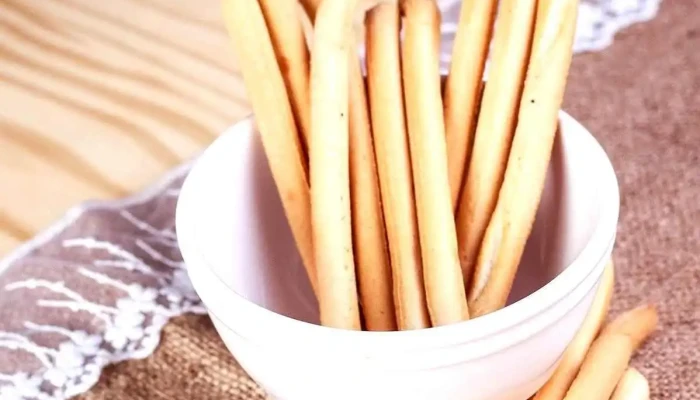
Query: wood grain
(98, 99)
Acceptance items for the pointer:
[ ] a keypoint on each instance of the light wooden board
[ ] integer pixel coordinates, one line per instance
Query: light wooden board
(99, 98)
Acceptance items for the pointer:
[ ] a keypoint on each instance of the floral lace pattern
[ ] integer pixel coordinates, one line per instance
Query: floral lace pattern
(98, 287)
(95, 290)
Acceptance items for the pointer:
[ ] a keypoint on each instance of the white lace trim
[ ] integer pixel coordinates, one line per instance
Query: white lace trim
(131, 326)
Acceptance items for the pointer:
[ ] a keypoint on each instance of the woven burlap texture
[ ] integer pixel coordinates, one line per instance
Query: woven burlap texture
(641, 98)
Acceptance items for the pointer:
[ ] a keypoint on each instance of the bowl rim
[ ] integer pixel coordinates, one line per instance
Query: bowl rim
(575, 273)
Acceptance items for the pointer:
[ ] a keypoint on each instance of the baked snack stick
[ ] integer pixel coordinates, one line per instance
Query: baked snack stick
(558, 384)
(330, 169)
(463, 86)
(288, 40)
(369, 235)
(611, 352)
(523, 182)
(275, 120)
(495, 125)
(632, 386)
(444, 286)
(394, 165)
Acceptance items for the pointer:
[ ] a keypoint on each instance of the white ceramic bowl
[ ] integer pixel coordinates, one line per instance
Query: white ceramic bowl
(244, 265)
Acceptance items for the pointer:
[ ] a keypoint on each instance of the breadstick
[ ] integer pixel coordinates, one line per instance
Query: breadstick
(636, 324)
(293, 58)
(275, 120)
(463, 85)
(444, 287)
(394, 165)
(568, 367)
(632, 386)
(611, 352)
(329, 159)
(369, 234)
(494, 129)
(519, 197)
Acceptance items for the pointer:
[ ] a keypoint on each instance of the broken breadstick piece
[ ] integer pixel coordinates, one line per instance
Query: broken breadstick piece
(463, 86)
(288, 40)
(568, 367)
(494, 127)
(444, 285)
(330, 170)
(274, 118)
(519, 197)
(369, 235)
(632, 386)
(394, 165)
(609, 356)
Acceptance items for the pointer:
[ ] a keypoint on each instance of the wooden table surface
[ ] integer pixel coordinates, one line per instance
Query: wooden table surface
(99, 98)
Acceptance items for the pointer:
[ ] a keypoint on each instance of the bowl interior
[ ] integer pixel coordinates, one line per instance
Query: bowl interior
(250, 246)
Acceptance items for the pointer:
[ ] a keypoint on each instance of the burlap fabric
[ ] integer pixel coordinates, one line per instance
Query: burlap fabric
(641, 98)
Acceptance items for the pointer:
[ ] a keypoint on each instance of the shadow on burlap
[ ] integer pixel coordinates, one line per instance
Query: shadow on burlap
(641, 98)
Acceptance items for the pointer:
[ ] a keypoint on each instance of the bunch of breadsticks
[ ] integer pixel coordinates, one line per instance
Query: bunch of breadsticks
(596, 363)
(410, 200)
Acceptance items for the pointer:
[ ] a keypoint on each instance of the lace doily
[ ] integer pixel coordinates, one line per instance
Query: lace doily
(98, 286)
(95, 289)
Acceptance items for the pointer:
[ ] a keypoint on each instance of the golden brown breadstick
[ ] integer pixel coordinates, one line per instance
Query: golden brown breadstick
(632, 386)
(519, 197)
(609, 356)
(444, 285)
(568, 367)
(369, 235)
(463, 85)
(394, 165)
(494, 129)
(636, 324)
(293, 58)
(274, 118)
(329, 160)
